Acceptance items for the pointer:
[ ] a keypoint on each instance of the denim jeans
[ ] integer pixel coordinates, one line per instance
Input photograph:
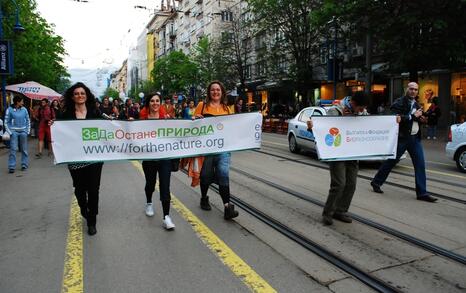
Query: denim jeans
(21, 138)
(432, 131)
(413, 145)
(216, 167)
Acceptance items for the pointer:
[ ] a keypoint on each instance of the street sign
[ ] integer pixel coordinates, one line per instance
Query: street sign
(6, 57)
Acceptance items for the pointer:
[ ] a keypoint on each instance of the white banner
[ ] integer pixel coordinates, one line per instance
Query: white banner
(107, 140)
(343, 138)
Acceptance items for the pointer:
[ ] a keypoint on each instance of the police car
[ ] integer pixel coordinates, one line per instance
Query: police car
(299, 138)
(456, 146)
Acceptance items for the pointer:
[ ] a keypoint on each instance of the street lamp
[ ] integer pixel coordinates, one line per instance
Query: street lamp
(6, 50)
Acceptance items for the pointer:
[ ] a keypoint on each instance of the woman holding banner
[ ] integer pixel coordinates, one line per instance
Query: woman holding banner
(79, 105)
(218, 165)
(153, 110)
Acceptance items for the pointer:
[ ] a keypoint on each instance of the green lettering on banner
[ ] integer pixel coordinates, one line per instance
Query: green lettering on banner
(210, 130)
(111, 135)
(103, 134)
(203, 131)
(186, 131)
(195, 131)
(170, 131)
(178, 131)
(94, 133)
(161, 132)
(86, 133)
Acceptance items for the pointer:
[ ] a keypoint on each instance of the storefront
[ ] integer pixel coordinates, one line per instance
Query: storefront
(458, 97)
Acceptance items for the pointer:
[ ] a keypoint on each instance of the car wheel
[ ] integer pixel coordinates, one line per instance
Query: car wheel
(461, 159)
(293, 145)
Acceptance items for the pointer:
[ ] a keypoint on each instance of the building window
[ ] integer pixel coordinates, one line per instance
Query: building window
(260, 41)
(227, 37)
(260, 68)
(227, 15)
(247, 71)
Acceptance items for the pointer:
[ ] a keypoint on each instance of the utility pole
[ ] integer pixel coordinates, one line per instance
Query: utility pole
(368, 86)
(335, 44)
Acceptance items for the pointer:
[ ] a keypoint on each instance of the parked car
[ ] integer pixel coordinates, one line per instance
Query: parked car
(456, 146)
(299, 138)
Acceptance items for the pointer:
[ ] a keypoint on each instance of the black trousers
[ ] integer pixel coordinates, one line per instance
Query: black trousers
(163, 168)
(86, 182)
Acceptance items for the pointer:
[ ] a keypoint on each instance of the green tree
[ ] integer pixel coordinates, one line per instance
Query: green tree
(213, 62)
(174, 73)
(111, 92)
(412, 35)
(38, 52)
(291, 19)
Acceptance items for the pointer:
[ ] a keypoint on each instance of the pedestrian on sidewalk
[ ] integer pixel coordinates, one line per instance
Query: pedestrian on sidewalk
(79, 105)
(46, 114)
(154, 110)
(433, 114)
(218, 165)
(343, 174)
(18, 126)
(409, 138)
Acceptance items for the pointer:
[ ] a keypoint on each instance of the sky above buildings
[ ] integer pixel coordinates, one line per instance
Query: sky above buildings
(98, 34)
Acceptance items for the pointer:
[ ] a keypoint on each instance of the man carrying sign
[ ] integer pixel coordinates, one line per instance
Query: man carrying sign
(343, 174)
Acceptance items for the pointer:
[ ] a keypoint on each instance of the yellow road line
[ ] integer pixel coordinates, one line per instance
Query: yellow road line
(239, 267)
(435, 172)
(73, 270)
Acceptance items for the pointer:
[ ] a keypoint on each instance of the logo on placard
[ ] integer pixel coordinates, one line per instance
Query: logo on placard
(333, 138)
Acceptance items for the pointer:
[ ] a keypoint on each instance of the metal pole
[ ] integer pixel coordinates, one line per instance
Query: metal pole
(3, 77)
(368, 63)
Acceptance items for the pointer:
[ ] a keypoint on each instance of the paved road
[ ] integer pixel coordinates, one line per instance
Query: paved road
(132, 253)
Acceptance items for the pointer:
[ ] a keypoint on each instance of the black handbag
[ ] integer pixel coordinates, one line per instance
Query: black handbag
(175, 165)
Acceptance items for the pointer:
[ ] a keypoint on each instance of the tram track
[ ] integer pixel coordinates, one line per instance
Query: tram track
(446, 197)
(358, 273)
(432, 179)
(393, 232)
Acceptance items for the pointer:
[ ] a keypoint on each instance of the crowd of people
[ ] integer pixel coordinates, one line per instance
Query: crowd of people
(78, 103)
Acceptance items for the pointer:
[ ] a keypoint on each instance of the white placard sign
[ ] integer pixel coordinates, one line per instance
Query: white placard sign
(343, 138)
(108, 140)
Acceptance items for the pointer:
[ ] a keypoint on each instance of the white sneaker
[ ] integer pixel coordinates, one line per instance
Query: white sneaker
(435, 137)
(428, 137)
(168, 224)
(149, 209)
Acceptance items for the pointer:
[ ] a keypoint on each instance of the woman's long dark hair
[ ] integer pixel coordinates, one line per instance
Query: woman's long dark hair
(69, 103)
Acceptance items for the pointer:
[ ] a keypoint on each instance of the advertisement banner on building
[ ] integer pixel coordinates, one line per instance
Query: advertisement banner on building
(355, 137)
(6, 57)
(109, 140)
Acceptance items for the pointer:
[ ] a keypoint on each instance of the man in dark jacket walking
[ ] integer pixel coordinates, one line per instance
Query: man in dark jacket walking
(409, 138)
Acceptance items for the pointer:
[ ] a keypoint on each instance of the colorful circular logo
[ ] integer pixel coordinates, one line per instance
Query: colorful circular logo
(333, 138)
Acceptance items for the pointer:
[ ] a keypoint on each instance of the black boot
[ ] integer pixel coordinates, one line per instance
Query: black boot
(205, 205)
(230, 212)
(91, 222)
